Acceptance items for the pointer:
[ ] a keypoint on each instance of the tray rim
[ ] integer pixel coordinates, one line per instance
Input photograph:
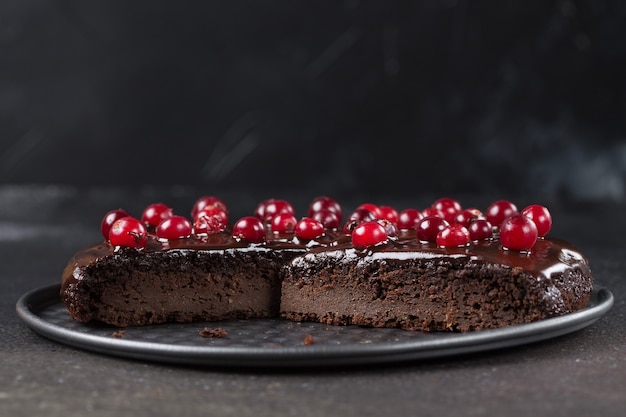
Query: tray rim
(33, 301)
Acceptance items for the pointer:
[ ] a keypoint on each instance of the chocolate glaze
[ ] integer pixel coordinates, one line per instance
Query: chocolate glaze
(547, 256)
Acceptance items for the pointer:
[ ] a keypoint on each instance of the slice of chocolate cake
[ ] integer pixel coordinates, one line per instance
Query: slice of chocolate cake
(417, 286)
(190, 282)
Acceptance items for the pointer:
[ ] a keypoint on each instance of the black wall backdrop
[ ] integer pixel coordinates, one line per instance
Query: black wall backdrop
(438, 96)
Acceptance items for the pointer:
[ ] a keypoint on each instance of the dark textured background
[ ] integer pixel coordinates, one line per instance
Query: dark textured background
(337, 96)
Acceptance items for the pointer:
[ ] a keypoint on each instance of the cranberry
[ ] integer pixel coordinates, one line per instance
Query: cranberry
(448, 206)
(453, 236)
(368, 233)
(371, 207)
(429, 227)
(518, 232)
(155, 214)
(468, 215)
(388, 213)
(205, 202)
(480, 229)
(430, 211)
(249, 228)
(408, 218)
(309, 229)
(206, 225)
(129, 232)
(324, 203)
(211, 219)
(284, 223)
(359, 216)
(500, 210)
(109, 219)
(329, 219)
(174, 227)
(541, 216)
(269, 208)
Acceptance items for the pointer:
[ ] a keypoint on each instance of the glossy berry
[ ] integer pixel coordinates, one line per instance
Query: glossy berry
(453, 236)
(309, 229)
(155, 214)
(464, 217)
(109, 219)
(284, 223)
(429, 227)
(480, 229)
(369, 233)
(371, 207)
(249, 228)
(210, 220)
(500, 210)
(518, 232)
(324, 203)
(449, 207)
(388, 213)
(174, 227)
(541, 216)
(128, 232)
(430, 211)
(408, 219)
(329, 219)
(207, 202)
(359, 216)
(269, 208)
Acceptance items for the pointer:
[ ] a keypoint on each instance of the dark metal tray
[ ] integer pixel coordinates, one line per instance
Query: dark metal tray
(282, 343)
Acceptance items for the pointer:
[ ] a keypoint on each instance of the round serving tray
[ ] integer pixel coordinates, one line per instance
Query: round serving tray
(282, 343)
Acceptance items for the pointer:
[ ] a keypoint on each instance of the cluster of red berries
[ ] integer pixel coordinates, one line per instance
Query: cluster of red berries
(445, 223)
(209, 215)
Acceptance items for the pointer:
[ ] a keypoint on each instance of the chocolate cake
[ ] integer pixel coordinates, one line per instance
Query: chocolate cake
(382, 269)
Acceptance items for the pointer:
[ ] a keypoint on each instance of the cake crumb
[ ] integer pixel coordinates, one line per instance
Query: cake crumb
(118, 334)
(309, 340)
(213, 332)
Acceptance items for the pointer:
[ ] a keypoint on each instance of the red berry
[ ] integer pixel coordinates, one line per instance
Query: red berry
(329, 219)
(388, 213)
(214, 211)
(284, 223)
(359, 216)
(174, 227)
(205, 202)
(500, 210)
(541, 216)
(453, 236)
(466, 216)
(448, 206)
(324, 203)
(369, 233)
(109, 219)
(309, 229)
(430, 211)
(429, 227)
(480, 229)
(269, 208)
(129, 232)
(249, 228)
(155, 214)
(210, 220)
(371, 207)
(408, 219)
(518, 232)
